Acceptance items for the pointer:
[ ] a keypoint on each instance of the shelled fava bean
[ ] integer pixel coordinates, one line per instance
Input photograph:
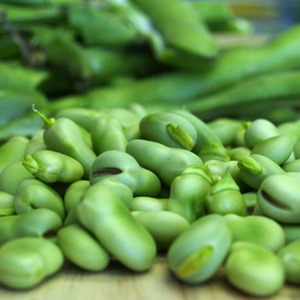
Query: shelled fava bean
(92, 190)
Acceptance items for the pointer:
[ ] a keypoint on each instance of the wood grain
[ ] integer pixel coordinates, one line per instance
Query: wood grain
(117, 282)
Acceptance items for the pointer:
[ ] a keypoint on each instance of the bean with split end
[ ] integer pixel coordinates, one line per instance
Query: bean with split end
(253, 269)
(82, 249)
(213, 151)
(200, 250)
(27, 261)
(124, 167)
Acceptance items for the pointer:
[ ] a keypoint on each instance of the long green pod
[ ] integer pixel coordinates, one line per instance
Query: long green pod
(164, 226)
(124, 237)
(166, 162)
(82, 249)
(200, 250)
(52, 166)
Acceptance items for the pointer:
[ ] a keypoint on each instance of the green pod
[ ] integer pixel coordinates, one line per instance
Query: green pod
(277, 148)
(213, 151)
(12, 150)
(169, 129)
(82, 249)
(238, 152)
(32, 194)
(256, 229)
(7, 228)
(278, 197)
(52, 166)
(38, 223)
(166, 162)
(7, 204)
(254, 270)
(108, 134)
(123, 167)
(255, 168)
(188, 192)
(12, 175)
(204, 132)
(226, 129)
(27, 261)
(225, 198)
(84, 117)
(74, 193)
(199, 251)
(144, 203)
(124, 237)
(164, 226)
(65, 136)
(259, 130)
(292, 166)
(290, 258)
(36, 143)
(297, 148)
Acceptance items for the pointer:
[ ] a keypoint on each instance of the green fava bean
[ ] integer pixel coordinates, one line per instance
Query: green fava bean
(291, 231)
(65, 136)
(168, 129)
(7, 228)
(204, 132)
(12, 175)
(38, 223)
(7, 206)
(259, 130)
(213, 151)
(82, 249)
(256, 229)
(27, 261)
(199, 251)
(12, 150)
(277, 148)
(238, 152)
(36, 143)
(166, 162)
(144, 203)
(188, 192)
(225, 198)
(164, 226)
(255, 168)
(254, 270)
(74, 193)
(51, 166)
(292, 166)
(278, 197)
(32, 194)
(111, 222)
(251, 200)
(123, 167)
(290, 257)
(108, 134)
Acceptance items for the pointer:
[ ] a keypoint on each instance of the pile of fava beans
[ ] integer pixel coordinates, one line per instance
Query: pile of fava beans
(122, 184)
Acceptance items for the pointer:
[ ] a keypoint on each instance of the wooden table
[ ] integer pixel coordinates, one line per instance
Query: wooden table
(116, 282)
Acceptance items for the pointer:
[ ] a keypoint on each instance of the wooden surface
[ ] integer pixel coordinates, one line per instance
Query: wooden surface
(116, 282)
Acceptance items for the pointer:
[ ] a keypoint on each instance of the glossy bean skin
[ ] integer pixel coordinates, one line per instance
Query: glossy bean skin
(12, 175)
(52, 166)
(292, 166)
(277, 148)
(164, 161)
(7, 228)
(256, 229)
(225, 197)
(291, 231)
(199, 251)
(144, 203)
(278, 198)
(25, 262)
(255, 168)
(12, 150)
(124, 237)
(82, 249)
(238, 152)
(108, 134)
(36, 143)
(7, 206)
(164, 226)
(169, 129)
(124, 167)
(254, 270)
(32, 193)
(290, 258)
(213, 151)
